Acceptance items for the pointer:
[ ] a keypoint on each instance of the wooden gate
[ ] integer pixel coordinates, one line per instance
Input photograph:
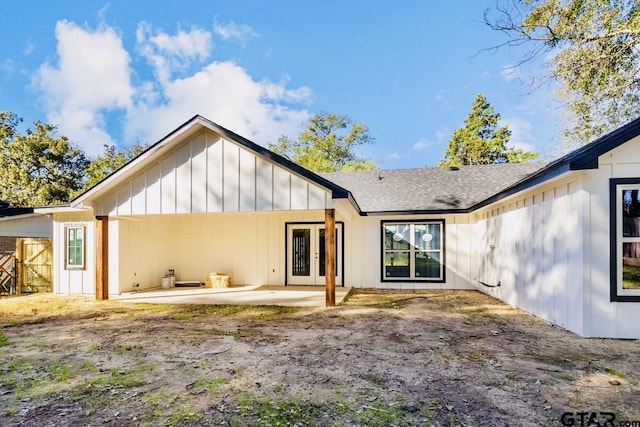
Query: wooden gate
(34, 258)
(7, 273)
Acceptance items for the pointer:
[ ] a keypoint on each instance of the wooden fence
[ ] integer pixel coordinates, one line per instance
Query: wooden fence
(7, 273)
(29, 269)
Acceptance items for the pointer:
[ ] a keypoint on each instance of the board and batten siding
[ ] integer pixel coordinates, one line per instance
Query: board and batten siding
(363, 253)
(27, 226)
(532, 246)
(249, 247)
(606, 318)
(209, 174)
(78, 281)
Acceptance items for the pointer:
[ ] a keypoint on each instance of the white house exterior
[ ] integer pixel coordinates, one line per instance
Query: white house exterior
(23, 222)
(557, 245)
(204, 199)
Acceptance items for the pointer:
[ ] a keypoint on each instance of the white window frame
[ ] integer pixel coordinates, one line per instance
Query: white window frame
(83, 248)
(413, 250)
(616, 188)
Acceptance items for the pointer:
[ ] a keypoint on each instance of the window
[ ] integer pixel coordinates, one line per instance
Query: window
(74, 247)
(625, 239)
(413, 250)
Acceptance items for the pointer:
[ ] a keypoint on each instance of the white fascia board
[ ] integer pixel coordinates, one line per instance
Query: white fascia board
(57, 209)
(156, 150)
(12, 217)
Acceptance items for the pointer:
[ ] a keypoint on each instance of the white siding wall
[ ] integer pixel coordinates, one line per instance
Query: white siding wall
(363, 253)
(605, 318)
(250, 247)
(532, 246)
(207, 174)
(30, 226)
(73, 281)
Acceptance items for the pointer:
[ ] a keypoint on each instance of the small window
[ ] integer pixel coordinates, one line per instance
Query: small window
(75, 241)
(412, 251)
(625, 239)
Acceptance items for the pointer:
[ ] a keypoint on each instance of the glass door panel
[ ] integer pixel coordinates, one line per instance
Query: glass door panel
(321, 252)
(301, 252)
(306, 254)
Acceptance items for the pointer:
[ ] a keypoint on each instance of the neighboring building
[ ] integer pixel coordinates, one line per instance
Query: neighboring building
(557, 240)
(25, 249)
(22, 222)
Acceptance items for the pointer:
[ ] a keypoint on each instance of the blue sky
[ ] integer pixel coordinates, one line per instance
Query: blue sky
(130, 71)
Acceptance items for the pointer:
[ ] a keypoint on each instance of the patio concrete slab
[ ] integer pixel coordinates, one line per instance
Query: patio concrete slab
(293, 296)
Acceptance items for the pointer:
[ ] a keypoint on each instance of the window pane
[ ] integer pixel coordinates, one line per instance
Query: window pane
(630, 213)
(321, 253)
(631, 266)
(397, 264)
(428, 264)
(396, 236)
(74, 256)
(427, 236)
(75, 246)
(301, 252)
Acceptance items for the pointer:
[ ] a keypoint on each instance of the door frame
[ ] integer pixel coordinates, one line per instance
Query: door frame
(340, 230)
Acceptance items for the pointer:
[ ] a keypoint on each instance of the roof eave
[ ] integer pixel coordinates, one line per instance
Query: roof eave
(416, 212)
(528, 182)
(584, 158)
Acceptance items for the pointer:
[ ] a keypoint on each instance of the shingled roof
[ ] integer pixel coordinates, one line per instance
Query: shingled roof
(429, 190)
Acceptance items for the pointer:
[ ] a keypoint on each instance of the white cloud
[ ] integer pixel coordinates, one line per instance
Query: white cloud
(234, 31)
(91, 79)
(8, 67)
(92, 76)
(442, 134)
(221, 91)
(301, 95)
(521, 132)
(422, 144)
(103, 11)
(442, 99)
(29, 48)
(226, 94)
(167, 54)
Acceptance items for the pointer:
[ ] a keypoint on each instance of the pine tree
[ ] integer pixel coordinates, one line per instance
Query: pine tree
(481, 141)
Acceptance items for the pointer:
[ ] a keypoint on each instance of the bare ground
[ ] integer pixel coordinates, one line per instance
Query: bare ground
(439, 358)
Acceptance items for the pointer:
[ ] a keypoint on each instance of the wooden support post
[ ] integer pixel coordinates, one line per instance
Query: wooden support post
(102, 258)
(330, 256)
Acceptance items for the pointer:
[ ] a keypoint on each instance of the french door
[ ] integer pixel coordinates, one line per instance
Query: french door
(306, 254)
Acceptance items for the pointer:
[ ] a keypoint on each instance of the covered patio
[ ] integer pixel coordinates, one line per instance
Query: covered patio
(288, 296)
(203, 201)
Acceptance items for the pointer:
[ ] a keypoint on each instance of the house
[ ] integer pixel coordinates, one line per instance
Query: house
(25, 249)
(22, 222)
(557, 240)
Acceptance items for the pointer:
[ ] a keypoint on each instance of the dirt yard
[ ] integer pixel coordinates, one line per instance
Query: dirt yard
(444, 358)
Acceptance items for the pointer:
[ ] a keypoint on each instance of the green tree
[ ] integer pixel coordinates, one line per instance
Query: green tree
(481, 141)
(327, 144)
(38, 167)
(592, 46)
(112, 160)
